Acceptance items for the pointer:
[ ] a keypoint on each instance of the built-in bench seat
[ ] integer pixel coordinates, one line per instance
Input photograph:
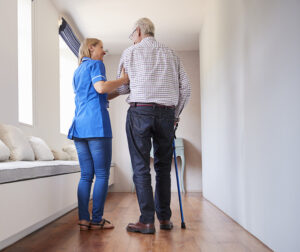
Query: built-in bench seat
(13, 171)
(34, 193)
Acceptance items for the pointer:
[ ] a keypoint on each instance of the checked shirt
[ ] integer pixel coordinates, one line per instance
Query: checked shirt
(156, 75)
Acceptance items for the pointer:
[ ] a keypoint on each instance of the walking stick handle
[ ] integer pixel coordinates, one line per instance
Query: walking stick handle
(176, 126)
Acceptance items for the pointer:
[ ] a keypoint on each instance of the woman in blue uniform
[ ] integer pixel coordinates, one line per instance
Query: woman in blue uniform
(91, 131)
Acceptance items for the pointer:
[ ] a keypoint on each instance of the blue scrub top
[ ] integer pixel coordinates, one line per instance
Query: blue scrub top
(91, 116)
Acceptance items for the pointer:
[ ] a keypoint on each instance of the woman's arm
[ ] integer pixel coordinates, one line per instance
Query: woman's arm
(103, 87)
(112, 95)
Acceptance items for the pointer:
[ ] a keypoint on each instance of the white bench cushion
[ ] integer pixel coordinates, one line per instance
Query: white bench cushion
(16, 141)
(41, 150)
(4, 152)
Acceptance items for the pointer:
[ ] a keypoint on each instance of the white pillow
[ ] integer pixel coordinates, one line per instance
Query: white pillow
(40, 148)
(17, 143)
(60, 155)
(4, 152)
(71, 150)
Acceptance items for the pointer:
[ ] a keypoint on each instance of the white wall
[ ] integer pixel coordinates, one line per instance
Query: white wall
(250, 58)
(8, 64)
(45, 71)
(189, 129)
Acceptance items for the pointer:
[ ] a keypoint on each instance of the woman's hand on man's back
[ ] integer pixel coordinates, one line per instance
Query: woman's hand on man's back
(124, 76)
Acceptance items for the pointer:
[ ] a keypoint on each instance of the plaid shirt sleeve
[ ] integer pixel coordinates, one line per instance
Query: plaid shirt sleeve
(184, 90)
(124, 89)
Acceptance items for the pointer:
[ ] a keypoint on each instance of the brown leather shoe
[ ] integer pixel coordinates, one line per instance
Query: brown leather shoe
(166, 224)
(141, 228)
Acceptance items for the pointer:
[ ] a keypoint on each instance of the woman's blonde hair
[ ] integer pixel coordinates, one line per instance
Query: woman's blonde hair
(84, 48)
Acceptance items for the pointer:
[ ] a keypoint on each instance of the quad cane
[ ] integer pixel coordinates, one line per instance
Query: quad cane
(178, 186)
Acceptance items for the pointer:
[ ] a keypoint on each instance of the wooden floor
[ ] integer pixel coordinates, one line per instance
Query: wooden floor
(208, 229)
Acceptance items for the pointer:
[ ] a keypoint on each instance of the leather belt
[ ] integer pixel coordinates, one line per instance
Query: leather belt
(138, 104)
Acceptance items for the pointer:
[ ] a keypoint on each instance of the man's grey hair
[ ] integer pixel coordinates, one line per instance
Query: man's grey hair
(146, 26)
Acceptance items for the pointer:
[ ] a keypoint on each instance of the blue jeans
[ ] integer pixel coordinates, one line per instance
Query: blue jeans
(94, 156)
(144, 123)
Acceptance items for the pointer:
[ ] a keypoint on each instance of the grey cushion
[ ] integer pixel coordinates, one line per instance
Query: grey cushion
(23, 170)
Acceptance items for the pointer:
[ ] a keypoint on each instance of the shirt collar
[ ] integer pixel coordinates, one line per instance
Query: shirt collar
(85, 58)
(150, 39)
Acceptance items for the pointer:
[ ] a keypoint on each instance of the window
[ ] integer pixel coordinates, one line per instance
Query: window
(25, 62)
(68, 64)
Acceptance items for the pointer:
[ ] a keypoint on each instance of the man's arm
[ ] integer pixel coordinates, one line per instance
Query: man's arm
(184, 91)
(124, 89)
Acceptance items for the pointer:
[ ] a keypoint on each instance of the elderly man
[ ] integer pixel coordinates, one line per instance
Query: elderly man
(158, 91)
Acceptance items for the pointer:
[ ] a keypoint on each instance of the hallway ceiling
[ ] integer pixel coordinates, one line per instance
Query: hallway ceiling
(177, 22)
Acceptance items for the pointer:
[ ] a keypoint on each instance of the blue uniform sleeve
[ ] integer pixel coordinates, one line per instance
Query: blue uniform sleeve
(98, 72)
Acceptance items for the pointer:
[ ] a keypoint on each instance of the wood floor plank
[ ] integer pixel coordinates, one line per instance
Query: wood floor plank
(208, 230)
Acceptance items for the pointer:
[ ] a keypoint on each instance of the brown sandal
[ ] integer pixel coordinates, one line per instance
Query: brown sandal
(104, 224)
(84, 225)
